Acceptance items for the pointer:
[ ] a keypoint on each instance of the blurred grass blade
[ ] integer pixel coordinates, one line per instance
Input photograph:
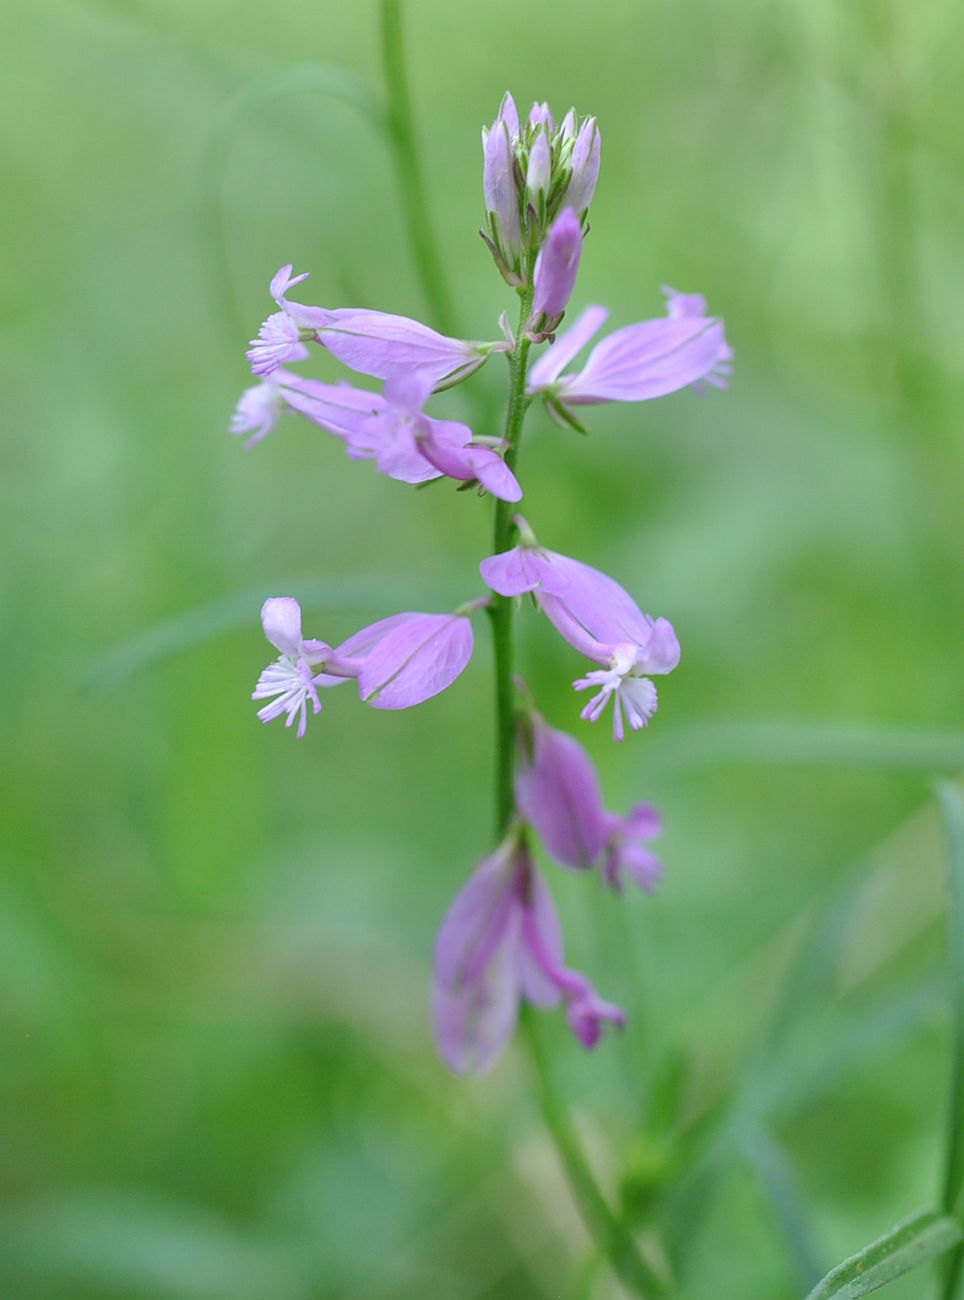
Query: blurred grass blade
(844, 744)
(814, 969)
(799, 1079)
(776, 1088)
(321, 78)
(778, 1180)
(907, 1246)
(952, 807)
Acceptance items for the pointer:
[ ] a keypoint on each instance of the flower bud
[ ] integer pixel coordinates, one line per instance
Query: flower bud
(555, 271)
(540, 115)
(532, 172)
(539, 171)
(585, 167)
(509, 114)
(501, 197)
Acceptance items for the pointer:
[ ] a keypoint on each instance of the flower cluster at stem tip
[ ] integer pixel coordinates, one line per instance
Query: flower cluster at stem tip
(501, 942)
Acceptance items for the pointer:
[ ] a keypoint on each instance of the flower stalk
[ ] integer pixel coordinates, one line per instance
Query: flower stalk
(501, 608)
(612, 1236)
(411, 182)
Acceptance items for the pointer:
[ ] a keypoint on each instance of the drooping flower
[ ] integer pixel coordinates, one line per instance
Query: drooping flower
(390, 429)
(374, 343)
(558, 794)
(401, 435)
(398, 662)
(626, 851)
(641, 361)
(600, 619)
(555, 273)
(500, 943)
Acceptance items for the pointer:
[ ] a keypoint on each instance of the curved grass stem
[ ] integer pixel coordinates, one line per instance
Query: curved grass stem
(411, 182)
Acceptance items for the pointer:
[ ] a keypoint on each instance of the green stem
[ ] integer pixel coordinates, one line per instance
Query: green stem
(613, 1238)
(611, 1235)
(501, 608)
(411, 183)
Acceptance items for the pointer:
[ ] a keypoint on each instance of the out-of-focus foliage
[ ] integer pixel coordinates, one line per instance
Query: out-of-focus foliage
(214, 941)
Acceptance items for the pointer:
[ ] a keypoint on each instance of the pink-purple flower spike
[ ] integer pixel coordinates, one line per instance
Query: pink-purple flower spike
(500, 944)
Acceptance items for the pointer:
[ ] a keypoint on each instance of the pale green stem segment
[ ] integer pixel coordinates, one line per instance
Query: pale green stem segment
(502, 607)
(411, 182)
(612, 1237)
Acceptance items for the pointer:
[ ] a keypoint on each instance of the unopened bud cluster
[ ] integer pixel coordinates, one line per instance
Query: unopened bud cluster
(534, 170)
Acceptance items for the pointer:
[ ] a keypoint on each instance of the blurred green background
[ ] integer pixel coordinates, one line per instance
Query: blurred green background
(218, 1078)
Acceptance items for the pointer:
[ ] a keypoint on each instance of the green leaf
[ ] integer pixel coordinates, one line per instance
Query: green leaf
(917, 1240)
(779, 1183)
(952, 807)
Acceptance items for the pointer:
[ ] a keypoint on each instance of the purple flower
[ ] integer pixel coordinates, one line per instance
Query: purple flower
(388, 347)
(557, 793)
(499, 943)
(401, 435)
(600, 619)
(649, 359)
(371, 342)
(555, 272)
(282, 336)
(680, 306)
(398, 662)
(392, 429)
(336, 408)
(257, 411)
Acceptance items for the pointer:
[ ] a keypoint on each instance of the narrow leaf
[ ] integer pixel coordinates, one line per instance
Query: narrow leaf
(952, 807)
(907, 1246)
(778, 1180)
